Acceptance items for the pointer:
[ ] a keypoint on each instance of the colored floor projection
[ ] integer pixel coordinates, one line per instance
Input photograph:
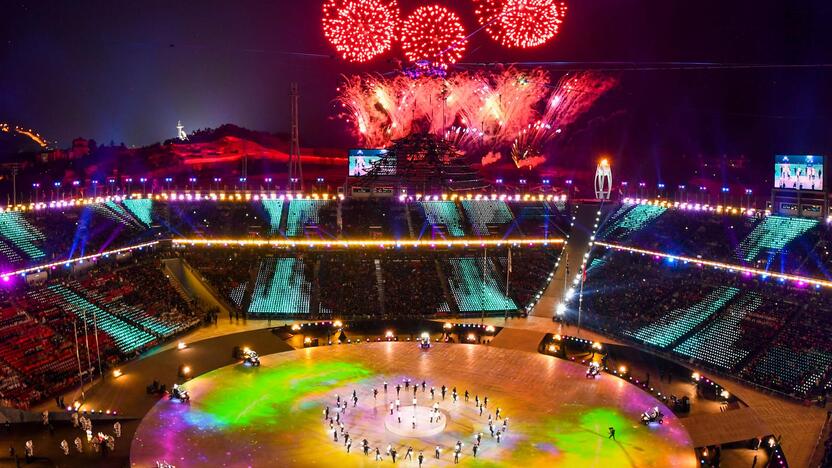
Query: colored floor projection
(273, 415)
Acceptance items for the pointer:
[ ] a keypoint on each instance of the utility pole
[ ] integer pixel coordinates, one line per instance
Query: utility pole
(295, 167)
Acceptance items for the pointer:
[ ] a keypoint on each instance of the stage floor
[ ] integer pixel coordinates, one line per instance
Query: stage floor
(273, 415)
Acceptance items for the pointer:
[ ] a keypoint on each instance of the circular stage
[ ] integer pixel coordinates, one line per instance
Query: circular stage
(273, 415)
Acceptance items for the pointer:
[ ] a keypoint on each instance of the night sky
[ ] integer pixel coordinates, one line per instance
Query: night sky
(127, 71)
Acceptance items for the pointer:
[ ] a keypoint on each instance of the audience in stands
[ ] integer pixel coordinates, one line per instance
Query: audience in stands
(136, 305)
(784, 338)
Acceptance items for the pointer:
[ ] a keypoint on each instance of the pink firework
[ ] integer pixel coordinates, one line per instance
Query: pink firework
(520, 23)
(571, 98)
(433, 35)
(360, 29)
(518, 111)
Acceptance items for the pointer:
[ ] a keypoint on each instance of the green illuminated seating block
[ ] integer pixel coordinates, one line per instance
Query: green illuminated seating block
(141, 317)
(281, 288)
(473, 294)
(112, 211)
(481, 213)
(274, 208)
(629, 219)
(715, 344)
(640, 216)
(141, 209)
(127, 337)
(238, 293)
(301, 213)
(17, 230)
(674, 325)
(773, 233)
(801, 370)
(445, 213)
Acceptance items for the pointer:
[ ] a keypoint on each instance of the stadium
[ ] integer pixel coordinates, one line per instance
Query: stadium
(467, 280)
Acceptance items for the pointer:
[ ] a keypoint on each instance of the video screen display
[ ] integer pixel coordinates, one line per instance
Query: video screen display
(798, 172)
(362, 160)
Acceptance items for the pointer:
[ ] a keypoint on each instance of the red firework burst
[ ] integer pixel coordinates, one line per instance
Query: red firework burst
(433, 35)
(520, 23)
(360, 29)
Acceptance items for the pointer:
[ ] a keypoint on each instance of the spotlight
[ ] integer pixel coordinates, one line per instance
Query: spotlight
(117, 373)
(622, 370)
(337, 324)
(295, 327)
(181, 345)
(472, 337)
(489, 329)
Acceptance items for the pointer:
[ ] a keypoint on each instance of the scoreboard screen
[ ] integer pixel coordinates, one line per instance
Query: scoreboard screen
(362, 160)
(799, 172)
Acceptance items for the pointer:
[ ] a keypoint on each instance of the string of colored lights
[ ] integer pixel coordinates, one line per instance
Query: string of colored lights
(248, 196)
(720, 265)
(370, 243)
(70, 261)
(703, 207)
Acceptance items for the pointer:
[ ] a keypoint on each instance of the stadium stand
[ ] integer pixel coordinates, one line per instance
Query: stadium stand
(281, 288)
(482, 214)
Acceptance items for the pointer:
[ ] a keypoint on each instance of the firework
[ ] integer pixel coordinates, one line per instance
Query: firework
(520, 23)
(513, 110)
(570, 99)
(360, 29)
(433, 35)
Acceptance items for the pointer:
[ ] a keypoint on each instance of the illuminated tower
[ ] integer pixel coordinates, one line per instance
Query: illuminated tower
(180, 131)
(603, 180)
(295, 168)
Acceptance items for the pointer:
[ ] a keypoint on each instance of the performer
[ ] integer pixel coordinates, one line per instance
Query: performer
(466, 395)
(65, 447)
(409, 454)
(117, 428)
(78, 445)
(436, 452)
(421, 458)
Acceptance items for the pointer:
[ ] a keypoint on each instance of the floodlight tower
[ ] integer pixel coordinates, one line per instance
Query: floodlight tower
(603, 180)
(295, 167)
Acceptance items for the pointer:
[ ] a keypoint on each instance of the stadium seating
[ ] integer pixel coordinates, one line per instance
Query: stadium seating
(141, 208)
(483, 213)
(718, 343)
(127, 337)
(674, 325)
(274, 209)
(17, 230)
(443, 213)
(773, 234)
(281, 288)
(470, 292)
(302, 213)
